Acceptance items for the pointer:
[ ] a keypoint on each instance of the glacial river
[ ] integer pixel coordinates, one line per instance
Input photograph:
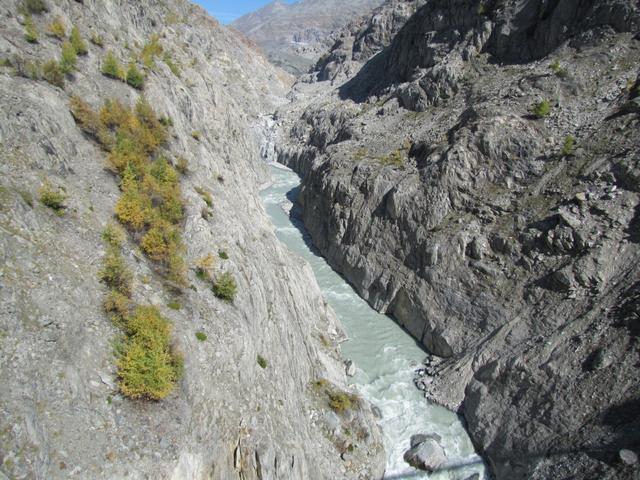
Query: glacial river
(384, 354)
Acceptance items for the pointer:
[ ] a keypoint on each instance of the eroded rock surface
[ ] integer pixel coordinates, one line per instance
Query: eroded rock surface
(61, 415)
(504, 238)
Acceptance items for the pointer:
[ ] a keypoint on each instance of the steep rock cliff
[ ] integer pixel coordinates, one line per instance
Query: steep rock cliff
(361, 39)
(244, 407)
(478, 181)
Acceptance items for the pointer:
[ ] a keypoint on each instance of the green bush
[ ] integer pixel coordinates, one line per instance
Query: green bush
(150, 50)
(205, 195)
(90, 122)
(223, 255)
(78, 43)
(201, 336)
(34, 6)
(68, 59)
(30, 31)
(52, 198)
(196, 134)
(119, 306)
(97, 40)
(174, 305)
(57, 28)
(203, 266)
(342, 401)
(541, 109)
(113, 235)
(225, 287)
(261, 361)
(53, 73)
(568, 146)
(111, 66)
(156, 243)
(147, 365)
(114, 272)
(557, 69)
(135, 78)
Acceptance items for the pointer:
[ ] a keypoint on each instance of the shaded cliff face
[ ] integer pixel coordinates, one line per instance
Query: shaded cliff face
(361, 39)
(230, 415)
(480, 184)
(294, 35)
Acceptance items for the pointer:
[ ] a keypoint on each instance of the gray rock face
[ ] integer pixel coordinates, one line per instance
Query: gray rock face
(61, 415)
(363, 38)
(449, 206)
(424, 64)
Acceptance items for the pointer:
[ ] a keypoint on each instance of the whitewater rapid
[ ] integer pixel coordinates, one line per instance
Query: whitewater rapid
(384, 354)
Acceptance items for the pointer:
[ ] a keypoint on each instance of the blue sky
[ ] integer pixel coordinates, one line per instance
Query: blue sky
(227, 11)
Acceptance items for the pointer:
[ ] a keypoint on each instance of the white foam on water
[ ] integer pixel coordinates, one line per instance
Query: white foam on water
(384, 354)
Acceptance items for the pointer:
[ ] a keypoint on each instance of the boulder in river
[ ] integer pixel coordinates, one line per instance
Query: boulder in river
(425, 453)
(419, 438)
(350, 368)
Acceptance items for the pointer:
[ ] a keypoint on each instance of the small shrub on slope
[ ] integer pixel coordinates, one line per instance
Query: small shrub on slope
(53, 73)
(111, 67)
(52, 198)
(78, 43)
(541, 109)
(135, 78)
(68, 59)
(30, 31)
(568, 146)
(57, 28)
(225, 287)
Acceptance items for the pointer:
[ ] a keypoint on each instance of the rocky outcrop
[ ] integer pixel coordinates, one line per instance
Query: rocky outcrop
(429, 70)
(488, 202)
(294, 35)
(362, 39)
(245, 407)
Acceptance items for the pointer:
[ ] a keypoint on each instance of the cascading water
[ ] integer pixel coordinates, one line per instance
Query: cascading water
(385, 355)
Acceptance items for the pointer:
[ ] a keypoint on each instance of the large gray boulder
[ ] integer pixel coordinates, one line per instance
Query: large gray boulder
(425, 453)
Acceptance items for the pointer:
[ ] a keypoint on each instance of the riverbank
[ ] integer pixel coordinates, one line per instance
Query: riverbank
(385, 356)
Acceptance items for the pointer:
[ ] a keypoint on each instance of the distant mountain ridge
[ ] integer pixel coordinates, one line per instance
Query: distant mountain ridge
(294, 35)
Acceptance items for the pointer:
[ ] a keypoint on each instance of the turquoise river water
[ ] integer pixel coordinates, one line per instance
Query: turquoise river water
(384, 354)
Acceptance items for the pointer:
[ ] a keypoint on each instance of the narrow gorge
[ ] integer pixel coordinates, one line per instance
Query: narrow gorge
(452, 282)
(471, 168)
